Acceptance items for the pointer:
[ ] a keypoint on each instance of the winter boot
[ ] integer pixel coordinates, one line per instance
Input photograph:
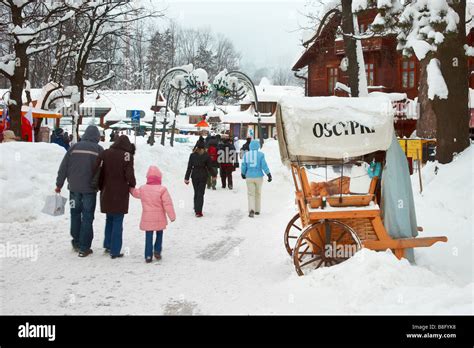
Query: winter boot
(251, 214)
(148, 260)
(199, 215)
(85, 253)
(157, 256)
(116, 256)
(257, 213)
(230, 187)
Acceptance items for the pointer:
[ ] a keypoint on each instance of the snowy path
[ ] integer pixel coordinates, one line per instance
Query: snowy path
(224, 263)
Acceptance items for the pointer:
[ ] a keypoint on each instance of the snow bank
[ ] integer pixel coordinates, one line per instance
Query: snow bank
(446, 208)
(361, 284)
(27, 176)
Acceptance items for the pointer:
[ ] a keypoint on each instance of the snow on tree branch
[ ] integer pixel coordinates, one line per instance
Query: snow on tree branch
(436, 85)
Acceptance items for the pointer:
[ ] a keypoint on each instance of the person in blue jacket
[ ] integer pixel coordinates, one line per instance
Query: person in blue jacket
(57, 137)
(254, 167)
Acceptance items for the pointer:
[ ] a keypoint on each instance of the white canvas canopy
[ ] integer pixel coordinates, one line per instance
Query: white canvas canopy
(333, 127)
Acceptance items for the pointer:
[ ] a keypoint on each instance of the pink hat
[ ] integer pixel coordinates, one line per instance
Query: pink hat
(153, 176)
(154, 171)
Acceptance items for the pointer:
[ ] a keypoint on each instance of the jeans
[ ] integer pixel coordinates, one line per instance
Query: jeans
(82, 217)
(149, 243)
(113, 233)
(199, 190)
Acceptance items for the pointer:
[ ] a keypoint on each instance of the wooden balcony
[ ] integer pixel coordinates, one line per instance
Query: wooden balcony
(372, 44)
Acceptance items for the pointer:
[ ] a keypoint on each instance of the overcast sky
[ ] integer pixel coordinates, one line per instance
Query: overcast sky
(262, 30)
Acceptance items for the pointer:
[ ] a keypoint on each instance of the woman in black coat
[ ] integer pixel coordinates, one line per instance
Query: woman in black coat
(199, 167)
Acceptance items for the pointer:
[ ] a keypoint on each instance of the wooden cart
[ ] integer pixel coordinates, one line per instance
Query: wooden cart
(327, 233)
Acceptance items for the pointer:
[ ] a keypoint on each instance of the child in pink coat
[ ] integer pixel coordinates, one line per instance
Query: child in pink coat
(156, 204)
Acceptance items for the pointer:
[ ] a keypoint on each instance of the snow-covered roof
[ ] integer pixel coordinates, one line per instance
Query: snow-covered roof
(272, 93)
(196, 110)
(121, 101)
(247, 116)
(392, 96)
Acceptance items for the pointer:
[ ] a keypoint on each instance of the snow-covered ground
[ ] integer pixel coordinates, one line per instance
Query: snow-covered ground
(224, 263)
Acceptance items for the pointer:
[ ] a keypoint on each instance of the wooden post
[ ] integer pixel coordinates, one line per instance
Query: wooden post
(419, 170)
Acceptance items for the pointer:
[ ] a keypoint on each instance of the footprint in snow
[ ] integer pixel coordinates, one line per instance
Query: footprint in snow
(219, 250)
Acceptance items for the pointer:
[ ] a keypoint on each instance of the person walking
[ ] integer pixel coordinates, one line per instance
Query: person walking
(228, 162)
(57, 137)
(199, 167)
(116, 178)
(212, 150)
(156, 205)
(77, 167)
(67, 142)
(254, 167)
(245, 148)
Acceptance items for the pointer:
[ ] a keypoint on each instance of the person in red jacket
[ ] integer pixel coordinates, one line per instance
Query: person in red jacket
(26, 130)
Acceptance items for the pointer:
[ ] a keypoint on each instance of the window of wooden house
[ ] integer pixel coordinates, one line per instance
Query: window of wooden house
(370, 73)
(332, 79)
(265, 107)
(362, 28)
(408, 73)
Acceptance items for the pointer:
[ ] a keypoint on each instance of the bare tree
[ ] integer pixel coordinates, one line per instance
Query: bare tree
(28, 20)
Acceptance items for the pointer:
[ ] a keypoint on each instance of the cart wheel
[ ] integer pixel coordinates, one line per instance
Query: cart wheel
(292, 232)
(323, 244)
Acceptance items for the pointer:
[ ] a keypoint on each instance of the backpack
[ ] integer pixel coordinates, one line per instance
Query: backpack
(212, 151)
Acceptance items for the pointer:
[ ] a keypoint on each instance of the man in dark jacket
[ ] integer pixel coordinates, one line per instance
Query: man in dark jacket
(199, 167)
(116, 178)
(77, 167)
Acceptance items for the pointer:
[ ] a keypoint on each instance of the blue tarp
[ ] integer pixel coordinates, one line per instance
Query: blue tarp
(398, 206)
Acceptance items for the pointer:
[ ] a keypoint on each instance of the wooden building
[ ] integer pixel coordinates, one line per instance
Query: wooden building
(386, 69)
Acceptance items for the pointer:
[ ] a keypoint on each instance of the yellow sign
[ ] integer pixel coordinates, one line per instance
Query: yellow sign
(413, 147)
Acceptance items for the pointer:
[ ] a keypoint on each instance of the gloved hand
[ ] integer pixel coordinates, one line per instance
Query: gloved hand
(243, 177)
(270, 178)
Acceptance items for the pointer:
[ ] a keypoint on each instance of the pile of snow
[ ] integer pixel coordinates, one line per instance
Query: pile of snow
(27, 176)
(446, 208)
(378, 283)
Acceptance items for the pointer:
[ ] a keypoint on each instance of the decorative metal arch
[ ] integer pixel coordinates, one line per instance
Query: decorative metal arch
(172, 95)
